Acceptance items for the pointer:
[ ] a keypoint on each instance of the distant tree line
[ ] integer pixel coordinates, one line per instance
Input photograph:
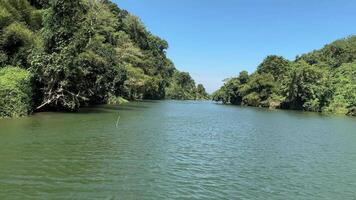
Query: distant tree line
(321, 81)
(63, 54)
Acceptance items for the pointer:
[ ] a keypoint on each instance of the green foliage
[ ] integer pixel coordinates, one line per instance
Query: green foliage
(324, 80)
(275, 101)
(18, 21)
(3, 59)
(39, 3)
(232, 91)
(15, 92)
(15, 36)
(277, 66)
(307, 86)
(134, 86)
(338, 105)
(5, 16)
(261, 87)
(55, 66)
(344, 86)
(182, 87)
(252, 99)
(220, 96)
(201, 93)
(78, 64)
(86, 52)
(20, 11)
(254, 90)
(16, 43)
(154, 88)
(115, 100)
(61, 22)
(352, 111)
(334, 54)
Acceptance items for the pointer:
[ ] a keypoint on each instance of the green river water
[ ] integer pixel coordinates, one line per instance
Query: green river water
(178, 150)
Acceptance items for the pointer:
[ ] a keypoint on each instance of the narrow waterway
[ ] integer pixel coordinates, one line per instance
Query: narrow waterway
(178, 150)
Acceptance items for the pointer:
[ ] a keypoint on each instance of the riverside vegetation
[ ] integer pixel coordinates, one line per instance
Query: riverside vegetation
(321, 81)
(63, 54)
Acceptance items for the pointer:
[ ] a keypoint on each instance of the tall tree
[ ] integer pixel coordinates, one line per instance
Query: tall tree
(56, 67)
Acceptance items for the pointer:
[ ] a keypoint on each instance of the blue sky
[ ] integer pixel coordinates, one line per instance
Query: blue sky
(216, 39)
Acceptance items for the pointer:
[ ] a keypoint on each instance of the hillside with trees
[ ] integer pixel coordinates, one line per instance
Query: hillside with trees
(64, 54)
(183, 87)
(321, 81)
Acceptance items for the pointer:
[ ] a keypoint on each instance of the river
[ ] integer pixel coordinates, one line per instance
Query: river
(178, 150)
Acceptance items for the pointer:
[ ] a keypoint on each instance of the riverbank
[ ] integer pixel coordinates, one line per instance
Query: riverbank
(320, 81)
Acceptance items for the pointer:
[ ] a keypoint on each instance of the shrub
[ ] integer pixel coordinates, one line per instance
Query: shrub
(5, 17)
(15, 92)
(352, 111)
(16, 36)
(252, 99)
(116, 100)
(275, 101)
(338, 105)
(3, 59)
(344, 82)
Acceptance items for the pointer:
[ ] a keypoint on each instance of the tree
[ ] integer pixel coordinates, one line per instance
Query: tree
(61, 22)
(181, 87)
(201, 92)
(16, 43)
(83, 52)
(258, 90)
(323, 80)
(343, 100)
(231, 92)
(55, 67)
(275, 65)
(334, 54)
(307, 87)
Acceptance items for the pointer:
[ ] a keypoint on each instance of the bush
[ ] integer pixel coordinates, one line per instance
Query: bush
(344, 82)
(338, 105)
(3, 59)
(275, 101)
(252, 99)
(352, 111)
(116, 100)
(5, 17)
(15, 92)
(15, 36)
(16, 43)
(312, 105)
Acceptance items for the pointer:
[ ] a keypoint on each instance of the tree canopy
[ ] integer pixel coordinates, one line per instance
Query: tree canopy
(320, 81)
(82, 52)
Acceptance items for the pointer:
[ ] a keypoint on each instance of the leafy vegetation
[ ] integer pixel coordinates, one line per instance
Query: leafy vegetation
(321, 81)
(201, 93)
(183, 87)
(82, 52)
(15, 92)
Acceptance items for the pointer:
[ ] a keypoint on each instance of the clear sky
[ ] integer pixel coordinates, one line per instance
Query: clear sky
(216, 39)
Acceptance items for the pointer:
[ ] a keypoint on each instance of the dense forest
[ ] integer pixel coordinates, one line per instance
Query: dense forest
(321, 81)
(64, 54)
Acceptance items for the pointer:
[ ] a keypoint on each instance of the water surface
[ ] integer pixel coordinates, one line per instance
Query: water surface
(178, 150)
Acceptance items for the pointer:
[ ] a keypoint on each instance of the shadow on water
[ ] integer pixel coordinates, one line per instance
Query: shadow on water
(151, 101)
(134, 106)
(292, 113)
(105, 109)
(131, 106)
